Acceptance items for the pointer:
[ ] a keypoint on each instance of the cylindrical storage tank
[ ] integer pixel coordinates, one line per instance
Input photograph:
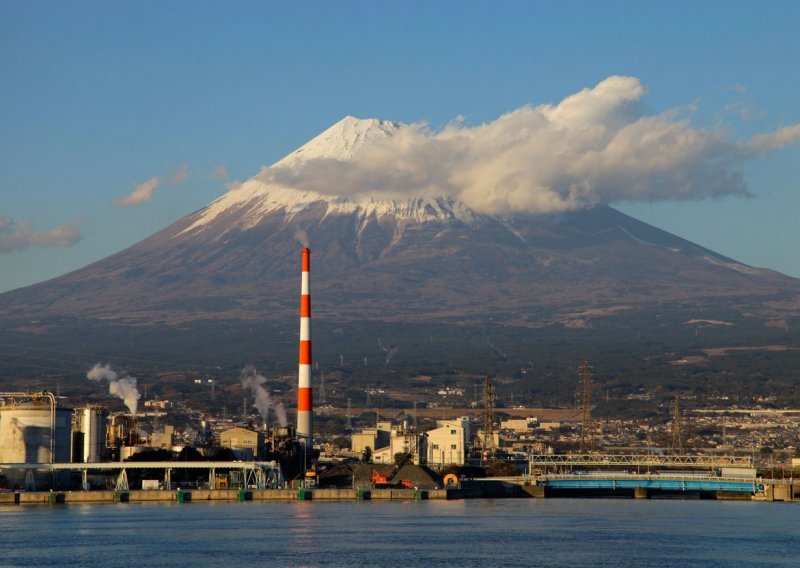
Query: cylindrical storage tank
(32, 432)
(93, 426)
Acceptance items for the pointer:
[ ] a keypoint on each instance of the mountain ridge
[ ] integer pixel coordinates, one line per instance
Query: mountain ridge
(390, 258)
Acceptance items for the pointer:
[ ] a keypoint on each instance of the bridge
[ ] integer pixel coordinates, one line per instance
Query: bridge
(657, 461)
(647, 482)
(641, 474)
(262, 475)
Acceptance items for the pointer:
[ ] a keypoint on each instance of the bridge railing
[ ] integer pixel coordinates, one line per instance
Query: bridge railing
(638, 460)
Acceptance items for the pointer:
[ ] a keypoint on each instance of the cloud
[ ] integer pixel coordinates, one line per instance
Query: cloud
(219, 172)
(141, 193)
(595, 146)
(179, 176)
(743, 106)
(233, 185)
(19, 235)
(764, 143)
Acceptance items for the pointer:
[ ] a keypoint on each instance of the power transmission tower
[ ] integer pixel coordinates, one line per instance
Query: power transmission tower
(488, 416)
(349, 424)
(677, 427)
(587, 439)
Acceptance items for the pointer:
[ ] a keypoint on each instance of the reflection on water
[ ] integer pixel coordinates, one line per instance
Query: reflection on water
(524, 532)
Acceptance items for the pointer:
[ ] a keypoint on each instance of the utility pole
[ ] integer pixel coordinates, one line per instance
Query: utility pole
(587, 439)
(488, 416)
(677, 434)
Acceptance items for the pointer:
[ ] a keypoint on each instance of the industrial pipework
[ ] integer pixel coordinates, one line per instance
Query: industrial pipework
(305, 411)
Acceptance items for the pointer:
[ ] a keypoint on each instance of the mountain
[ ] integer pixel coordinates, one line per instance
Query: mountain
(414, 260)
(407, 291)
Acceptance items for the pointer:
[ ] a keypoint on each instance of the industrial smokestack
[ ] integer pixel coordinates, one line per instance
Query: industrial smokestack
(305, 411)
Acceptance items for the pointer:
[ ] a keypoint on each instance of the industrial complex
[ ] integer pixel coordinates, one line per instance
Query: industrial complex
(51, 451)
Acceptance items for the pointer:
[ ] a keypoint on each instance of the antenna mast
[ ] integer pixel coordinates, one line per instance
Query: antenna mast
(587, 439)
(677, 434)
(488, 415)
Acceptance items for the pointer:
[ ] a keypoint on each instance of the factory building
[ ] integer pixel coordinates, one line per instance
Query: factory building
(402, 440)
(447, 444)
(245, 444)
(519, 425)
(163, 440)
(371, 438)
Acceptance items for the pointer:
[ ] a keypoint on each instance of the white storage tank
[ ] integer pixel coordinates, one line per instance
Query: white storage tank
(92, 424)
(34, 429)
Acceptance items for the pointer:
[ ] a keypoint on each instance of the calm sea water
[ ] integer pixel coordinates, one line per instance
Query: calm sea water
(524, 532)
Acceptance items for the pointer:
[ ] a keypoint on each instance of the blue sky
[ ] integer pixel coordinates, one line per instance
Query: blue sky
(97, 98)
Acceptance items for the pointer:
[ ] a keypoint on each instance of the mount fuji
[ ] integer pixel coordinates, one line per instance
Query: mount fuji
(420, 259)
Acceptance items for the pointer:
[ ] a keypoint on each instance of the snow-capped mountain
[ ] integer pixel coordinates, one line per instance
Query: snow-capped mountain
(416, 259)
(258, 197)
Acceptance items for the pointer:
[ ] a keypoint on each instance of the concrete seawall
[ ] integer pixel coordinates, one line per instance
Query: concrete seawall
(774, 491)
(190, 496)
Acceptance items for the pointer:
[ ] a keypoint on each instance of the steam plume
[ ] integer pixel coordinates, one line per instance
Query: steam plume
(390, 351)
(497, 351)
(123, 387)
(254, 382)
(302, 237)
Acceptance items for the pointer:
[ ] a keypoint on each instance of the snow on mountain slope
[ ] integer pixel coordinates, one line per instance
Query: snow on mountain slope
(256, 198)
(248, 206)
(342, 140)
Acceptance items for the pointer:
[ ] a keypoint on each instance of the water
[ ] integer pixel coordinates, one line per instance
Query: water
(523, 532)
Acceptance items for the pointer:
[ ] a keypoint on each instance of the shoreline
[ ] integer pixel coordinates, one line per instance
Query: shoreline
(482, 491)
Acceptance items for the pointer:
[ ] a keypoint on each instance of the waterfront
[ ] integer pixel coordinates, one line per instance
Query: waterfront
(529, 532)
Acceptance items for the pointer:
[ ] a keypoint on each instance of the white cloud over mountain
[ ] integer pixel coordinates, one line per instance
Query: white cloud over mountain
(595, 146)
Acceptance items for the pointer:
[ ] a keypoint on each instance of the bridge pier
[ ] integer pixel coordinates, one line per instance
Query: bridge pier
(536, 491)
(778, 492)
(641, 493)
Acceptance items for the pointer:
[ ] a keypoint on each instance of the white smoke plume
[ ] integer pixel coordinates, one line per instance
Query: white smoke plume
(254, 382)
(280, 413)
(390, 351)
(497, 351)
(123, 387)
(302, 237)
(597, 146)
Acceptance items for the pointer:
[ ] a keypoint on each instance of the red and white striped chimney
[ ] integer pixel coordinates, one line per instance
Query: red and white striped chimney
(305, 410)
